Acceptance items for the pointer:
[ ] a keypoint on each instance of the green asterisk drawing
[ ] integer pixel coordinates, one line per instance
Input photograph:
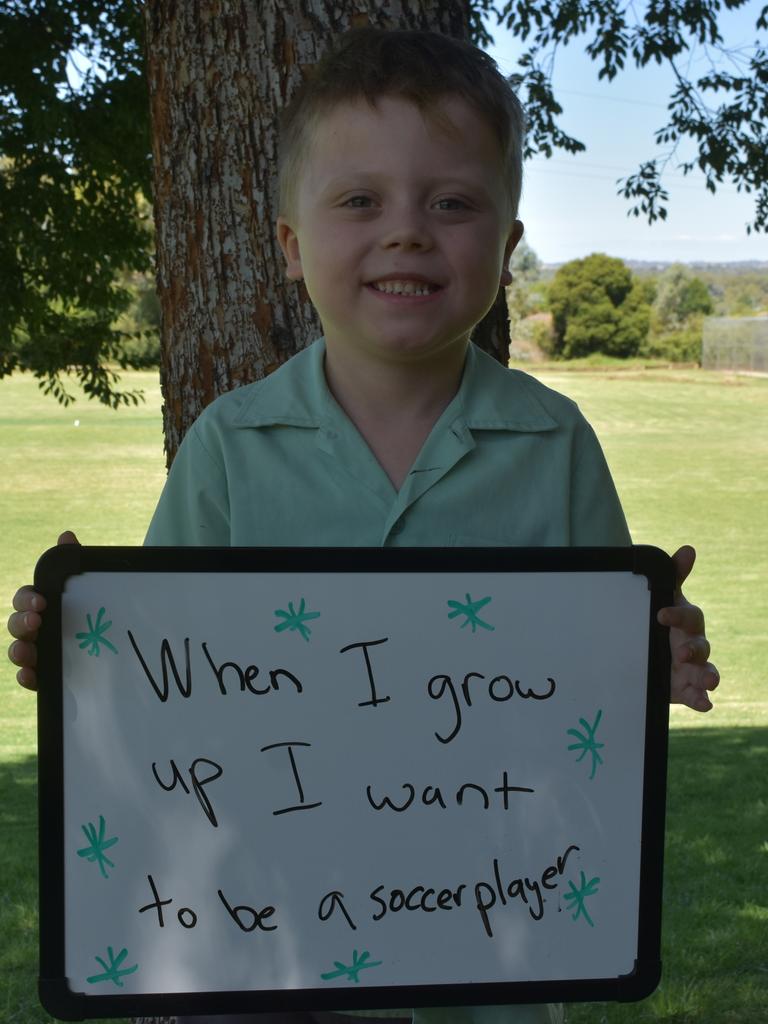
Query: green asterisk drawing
(296, 619)
(95, 635)
(98, 844)
(351, 972)
(112, 970)
(470, 609)
(587, 743)
(579, 895)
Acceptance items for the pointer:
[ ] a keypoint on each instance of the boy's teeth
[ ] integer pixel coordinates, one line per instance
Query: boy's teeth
(403, 287)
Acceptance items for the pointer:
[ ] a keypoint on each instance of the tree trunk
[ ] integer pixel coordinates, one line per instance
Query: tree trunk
(219, 71)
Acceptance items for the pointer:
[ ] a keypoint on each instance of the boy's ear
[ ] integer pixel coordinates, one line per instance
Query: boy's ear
(512, 243)
(288, 241)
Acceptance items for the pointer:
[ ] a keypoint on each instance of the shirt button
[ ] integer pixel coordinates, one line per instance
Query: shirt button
(398, 526)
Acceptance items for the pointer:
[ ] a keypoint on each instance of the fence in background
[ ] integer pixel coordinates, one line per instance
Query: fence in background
(735, 343)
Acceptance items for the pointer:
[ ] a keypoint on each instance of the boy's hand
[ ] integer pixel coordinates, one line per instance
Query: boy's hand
(24, 624)
(692, 673)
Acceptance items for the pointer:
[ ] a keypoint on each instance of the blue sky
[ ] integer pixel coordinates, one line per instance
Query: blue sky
(569, 204)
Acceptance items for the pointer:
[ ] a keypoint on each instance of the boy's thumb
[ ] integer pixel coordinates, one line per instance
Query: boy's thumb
(67, 538)
(683, 558)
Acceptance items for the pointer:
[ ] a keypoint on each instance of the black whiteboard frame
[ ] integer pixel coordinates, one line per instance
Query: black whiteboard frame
(58, 564)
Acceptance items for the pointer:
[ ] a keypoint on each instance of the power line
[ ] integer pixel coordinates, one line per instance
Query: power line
(604, 177)
(622, 168)
(611, 99)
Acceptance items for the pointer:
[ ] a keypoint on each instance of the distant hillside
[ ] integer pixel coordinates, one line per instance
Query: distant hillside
(735, 267)
(737, 288)
(653, 267)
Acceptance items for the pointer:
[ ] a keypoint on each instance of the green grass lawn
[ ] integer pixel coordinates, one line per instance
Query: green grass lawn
(100, 478)
(689, 452)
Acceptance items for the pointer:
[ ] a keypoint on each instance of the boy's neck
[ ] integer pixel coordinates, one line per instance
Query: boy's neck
(388, 392)
(394, 405)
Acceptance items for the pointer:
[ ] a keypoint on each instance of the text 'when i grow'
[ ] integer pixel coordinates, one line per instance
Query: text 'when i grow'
(457, 696)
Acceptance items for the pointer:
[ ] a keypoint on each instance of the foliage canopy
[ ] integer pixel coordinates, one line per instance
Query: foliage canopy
(75, 149)
(681, 302)
(730, 136)
(597, 306)
(680, 295)
(75, 162)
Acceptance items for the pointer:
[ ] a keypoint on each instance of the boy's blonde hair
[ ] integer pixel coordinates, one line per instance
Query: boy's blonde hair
(422, 67)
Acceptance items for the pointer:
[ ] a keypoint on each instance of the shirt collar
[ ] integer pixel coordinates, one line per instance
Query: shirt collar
(490, 397)
(495, 398)
(295, 394)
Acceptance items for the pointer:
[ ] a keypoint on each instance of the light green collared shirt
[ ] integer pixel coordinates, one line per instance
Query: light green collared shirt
(278, 463)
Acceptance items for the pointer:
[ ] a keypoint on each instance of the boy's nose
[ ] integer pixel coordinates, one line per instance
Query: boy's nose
(408, 231)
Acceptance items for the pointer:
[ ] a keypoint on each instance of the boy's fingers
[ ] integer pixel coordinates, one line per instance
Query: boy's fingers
(690, 684)
(692, 697)
(696, 700)
(687, 617)
(699, 702)
(24, 625)
(23, 654)
(696, 651)
(683, 558)
(711, 677)
(27, 678)
(27, 599)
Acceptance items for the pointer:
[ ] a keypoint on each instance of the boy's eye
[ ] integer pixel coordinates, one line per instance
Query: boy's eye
(355, 202)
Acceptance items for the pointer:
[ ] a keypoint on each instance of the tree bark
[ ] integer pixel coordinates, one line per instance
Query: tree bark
(218, 72)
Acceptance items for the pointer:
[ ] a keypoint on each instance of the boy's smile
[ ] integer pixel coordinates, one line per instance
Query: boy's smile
(402, 232)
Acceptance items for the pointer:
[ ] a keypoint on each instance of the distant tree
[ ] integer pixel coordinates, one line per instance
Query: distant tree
(597, 306)
(679, 296)
(681, 302)
(736, 289)
(526, 272)
(529, 336)
(525, 264)
(747, 297)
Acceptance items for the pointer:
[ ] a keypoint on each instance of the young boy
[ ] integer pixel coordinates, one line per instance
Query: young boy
(400, 178)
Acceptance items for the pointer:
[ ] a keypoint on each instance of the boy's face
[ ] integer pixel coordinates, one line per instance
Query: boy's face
(385, 193)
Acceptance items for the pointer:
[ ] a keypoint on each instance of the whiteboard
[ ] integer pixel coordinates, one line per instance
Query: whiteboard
(352, 778)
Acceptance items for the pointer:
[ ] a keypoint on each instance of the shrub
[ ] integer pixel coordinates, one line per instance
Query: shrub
(597, 306)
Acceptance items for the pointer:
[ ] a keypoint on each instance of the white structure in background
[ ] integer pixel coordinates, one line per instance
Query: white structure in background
(735, 343)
